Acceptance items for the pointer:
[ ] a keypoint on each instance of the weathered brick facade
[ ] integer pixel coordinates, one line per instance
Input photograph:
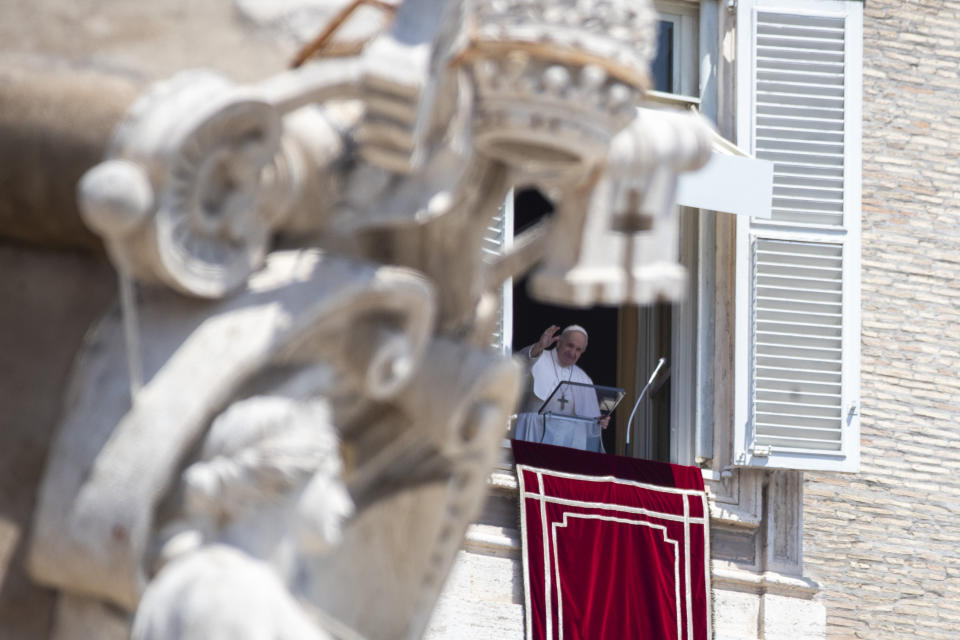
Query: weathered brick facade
(885, 543)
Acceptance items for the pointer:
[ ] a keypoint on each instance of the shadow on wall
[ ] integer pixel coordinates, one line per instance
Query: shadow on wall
(50, 300)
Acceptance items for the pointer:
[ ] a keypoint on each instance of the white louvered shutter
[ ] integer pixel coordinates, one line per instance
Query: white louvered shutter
(798, 273)
(498, 238)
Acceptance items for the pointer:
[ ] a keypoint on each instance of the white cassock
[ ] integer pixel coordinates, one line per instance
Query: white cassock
(571, 401)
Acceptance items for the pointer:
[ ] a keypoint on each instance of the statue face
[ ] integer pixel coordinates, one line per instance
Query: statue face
(570, 347)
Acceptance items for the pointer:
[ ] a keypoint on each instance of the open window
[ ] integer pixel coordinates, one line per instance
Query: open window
(795, 313)
(627, 342)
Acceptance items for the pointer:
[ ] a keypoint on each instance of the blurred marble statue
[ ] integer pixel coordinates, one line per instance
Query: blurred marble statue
(287, 425)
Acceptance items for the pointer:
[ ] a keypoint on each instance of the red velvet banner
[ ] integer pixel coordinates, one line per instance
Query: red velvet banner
(613, 547)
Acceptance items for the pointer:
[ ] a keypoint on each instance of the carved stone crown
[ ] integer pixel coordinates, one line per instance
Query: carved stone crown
(555, 81)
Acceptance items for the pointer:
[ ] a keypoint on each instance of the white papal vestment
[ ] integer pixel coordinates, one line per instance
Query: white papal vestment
(573, 401)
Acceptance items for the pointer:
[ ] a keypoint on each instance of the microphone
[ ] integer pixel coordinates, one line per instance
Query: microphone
(653, 376)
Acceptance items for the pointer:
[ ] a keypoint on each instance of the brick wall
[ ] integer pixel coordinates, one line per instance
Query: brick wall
(885, 543)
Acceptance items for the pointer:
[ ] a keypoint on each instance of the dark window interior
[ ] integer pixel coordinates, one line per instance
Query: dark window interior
(662, 65)
(530, 317)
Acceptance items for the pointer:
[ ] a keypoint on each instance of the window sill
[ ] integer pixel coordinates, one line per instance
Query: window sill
(724, 577)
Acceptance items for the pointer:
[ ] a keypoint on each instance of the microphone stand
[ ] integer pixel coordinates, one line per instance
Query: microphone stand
(653, 376)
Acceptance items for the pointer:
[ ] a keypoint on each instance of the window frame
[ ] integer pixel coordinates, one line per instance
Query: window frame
(686, 44)
(685, 361)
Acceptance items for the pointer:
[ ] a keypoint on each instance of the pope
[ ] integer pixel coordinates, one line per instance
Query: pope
(551, 367)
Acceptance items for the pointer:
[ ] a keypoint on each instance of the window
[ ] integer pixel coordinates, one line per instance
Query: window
(792, 375)
(675, 64)
(664, 422)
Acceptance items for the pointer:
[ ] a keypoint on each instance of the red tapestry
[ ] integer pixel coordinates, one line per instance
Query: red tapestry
(613, 547)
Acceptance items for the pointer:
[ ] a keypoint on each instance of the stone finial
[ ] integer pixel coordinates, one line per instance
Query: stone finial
(554, 81)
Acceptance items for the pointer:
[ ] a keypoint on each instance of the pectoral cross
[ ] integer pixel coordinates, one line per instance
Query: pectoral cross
(563, 402)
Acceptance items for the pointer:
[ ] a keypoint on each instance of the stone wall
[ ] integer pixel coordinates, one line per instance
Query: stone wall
(150, 40)
(885, 543)
(48, 301)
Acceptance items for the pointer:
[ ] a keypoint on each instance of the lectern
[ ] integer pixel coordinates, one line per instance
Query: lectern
(568, 417)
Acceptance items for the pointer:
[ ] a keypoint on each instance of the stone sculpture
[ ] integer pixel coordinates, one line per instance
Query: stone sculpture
(286, 428)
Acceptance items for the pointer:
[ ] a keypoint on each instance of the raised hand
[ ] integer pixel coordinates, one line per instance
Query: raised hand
(548, 338)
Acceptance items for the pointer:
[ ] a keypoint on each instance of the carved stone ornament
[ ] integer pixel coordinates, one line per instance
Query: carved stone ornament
(554, 82)
(343, 329)
(630, 247)
(285, 428)
(179, 202)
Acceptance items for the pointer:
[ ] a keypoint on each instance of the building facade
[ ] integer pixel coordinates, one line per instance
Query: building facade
(882, 543)
(873, 547)
(764, 352)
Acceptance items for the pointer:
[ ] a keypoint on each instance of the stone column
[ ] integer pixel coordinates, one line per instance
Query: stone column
(55, 123)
